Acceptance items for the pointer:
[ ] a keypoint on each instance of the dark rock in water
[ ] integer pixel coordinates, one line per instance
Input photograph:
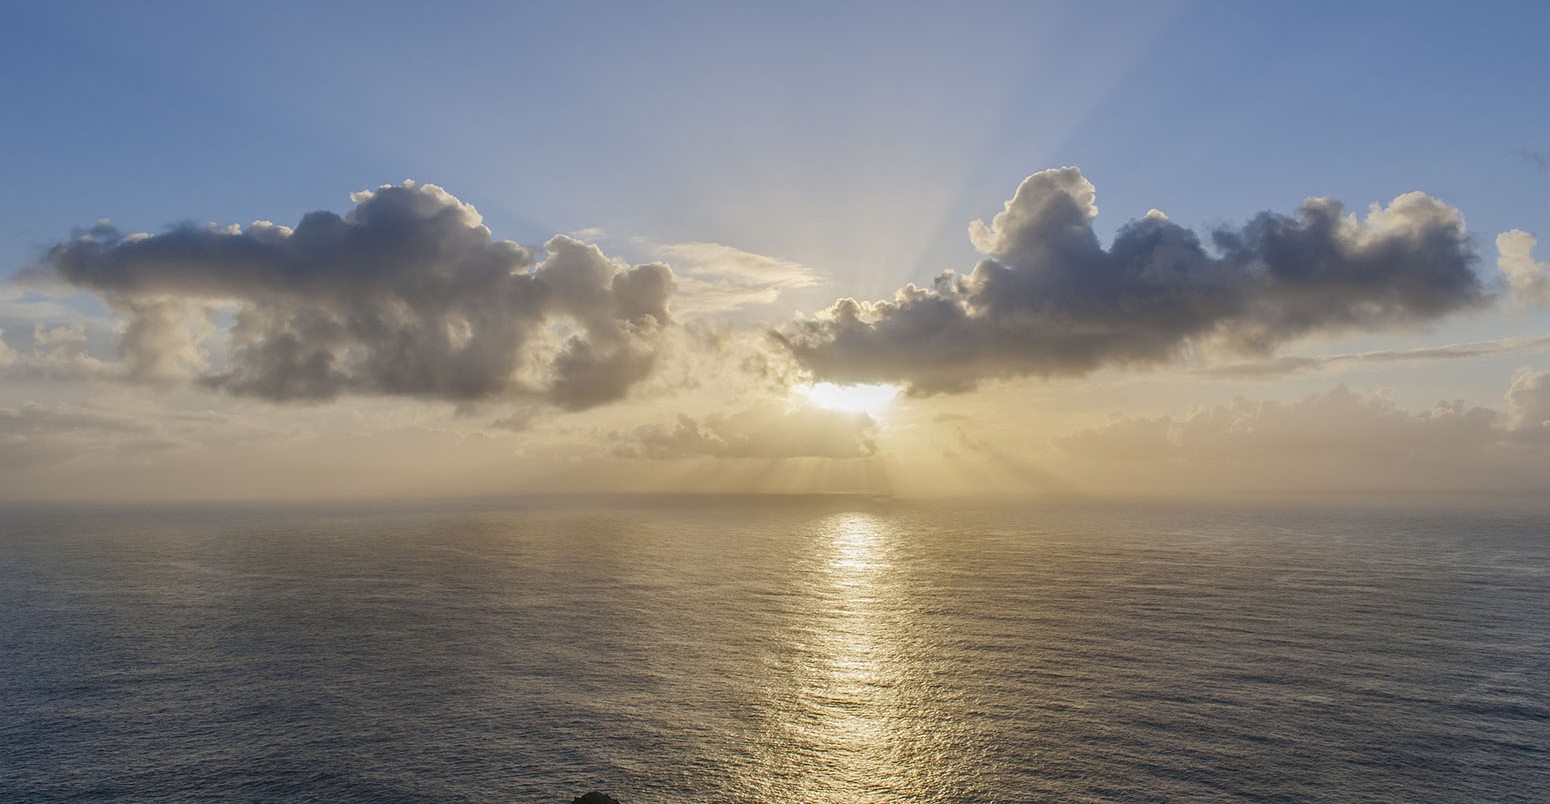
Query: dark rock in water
(594, 797)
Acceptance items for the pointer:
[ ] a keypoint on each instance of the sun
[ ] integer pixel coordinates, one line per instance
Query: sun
(869, 399)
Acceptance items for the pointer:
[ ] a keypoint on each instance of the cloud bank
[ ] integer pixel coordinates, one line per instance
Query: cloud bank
(34, 435)
(1338, 424)
(58, 353)
(768, 432)
(1049, 300)
(406, 295)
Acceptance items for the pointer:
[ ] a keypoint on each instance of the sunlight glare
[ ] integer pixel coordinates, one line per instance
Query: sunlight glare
(869, 399)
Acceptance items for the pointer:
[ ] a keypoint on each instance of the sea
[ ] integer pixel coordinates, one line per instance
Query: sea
(775, 649)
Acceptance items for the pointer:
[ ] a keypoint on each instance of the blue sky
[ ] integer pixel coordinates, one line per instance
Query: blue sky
(857, 139)
(791, 130)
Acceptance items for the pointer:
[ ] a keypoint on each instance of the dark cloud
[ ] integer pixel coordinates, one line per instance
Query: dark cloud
(518, 420)
(407, 295)
(769, 432)
(1534, 158)
(1048, 299)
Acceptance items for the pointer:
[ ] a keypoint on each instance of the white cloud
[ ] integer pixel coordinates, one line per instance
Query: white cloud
(1528, 403)
(1529, 278)
(714, 277)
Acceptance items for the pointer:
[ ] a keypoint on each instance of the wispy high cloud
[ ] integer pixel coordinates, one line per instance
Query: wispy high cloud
(1048, 299)
(1287, 365)
(714, 277)
(34, 434)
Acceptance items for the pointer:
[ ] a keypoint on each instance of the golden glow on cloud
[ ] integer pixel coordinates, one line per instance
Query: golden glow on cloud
(869, 399)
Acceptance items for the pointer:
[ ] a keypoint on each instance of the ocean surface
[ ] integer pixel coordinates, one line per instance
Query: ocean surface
(774, 650)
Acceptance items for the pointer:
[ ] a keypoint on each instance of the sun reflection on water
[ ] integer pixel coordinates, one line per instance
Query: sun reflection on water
(851, 689)
(854, 709)
(855, 549)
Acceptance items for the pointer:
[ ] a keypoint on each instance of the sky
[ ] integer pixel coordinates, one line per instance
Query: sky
(380, 250)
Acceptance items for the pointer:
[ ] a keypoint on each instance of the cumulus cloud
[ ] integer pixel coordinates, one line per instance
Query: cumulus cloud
(767, 431)
(1529, 278)
(1337, 424)
(405, 295)
(1048, 299)
(1528, 404)
(714, 277)
(22, 307)
(58, 352)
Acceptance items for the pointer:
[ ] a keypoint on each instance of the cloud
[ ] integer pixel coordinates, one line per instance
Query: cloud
(1528, 405)
(35, 418)
(25, 307)
(518, 420)
(1530, 279)
(768, 432)
(406, 295)
(35, 434)
(1019, 472)
(1048, 299)
(1339, 424)
(129, 445)
(1534, 158)
(589, 233)
(58, 353)
(1288, 365)
(714, 277)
